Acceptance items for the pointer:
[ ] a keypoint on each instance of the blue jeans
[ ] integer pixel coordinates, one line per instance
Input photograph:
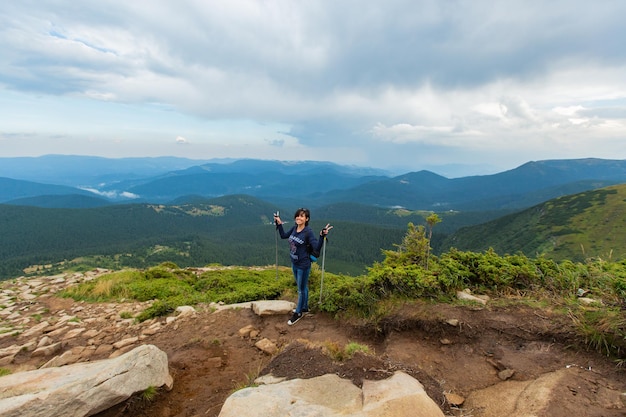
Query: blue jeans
(302, 281)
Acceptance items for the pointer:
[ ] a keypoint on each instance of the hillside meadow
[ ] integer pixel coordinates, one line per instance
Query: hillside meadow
(407, 273)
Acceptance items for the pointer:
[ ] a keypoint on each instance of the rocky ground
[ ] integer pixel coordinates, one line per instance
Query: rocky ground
(471, 360)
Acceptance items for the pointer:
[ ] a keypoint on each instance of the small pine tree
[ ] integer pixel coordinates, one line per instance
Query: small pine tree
(412, 250)
(431, 220)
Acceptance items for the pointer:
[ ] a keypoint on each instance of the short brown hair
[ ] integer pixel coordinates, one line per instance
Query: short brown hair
(306, 212)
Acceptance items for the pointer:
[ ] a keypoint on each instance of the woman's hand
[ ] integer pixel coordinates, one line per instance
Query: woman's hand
(325, 230)
(277, 219)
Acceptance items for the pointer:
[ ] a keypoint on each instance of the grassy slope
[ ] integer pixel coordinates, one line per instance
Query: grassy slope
(588, 224)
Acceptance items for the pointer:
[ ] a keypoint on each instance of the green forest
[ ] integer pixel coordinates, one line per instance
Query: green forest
(238, 230)
(234, 230)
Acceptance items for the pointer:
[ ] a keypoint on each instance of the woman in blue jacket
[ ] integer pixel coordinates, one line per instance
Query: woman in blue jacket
(301, 237)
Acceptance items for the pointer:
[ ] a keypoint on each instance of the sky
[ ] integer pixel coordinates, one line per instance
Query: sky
(459, 87)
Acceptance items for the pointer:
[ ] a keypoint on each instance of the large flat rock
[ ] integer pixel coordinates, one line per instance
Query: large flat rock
(331, 396)
(83, 389)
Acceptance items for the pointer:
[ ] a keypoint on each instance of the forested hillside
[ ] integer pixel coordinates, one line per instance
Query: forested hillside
(236, 229)
(232, 230)
(574, 227)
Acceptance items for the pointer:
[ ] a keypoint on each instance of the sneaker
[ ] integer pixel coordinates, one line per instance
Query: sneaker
(304, 311)
(294, 319)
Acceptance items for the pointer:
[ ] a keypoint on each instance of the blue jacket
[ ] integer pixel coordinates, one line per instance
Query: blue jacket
(298, 244)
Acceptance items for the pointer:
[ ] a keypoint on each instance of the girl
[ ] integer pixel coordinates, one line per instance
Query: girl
(300, 237)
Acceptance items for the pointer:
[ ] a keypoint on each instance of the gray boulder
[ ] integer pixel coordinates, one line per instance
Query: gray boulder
(272, 307)
(331, 396)
(83, 389)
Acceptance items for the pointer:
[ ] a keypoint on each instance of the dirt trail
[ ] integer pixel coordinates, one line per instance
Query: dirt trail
(449, 349)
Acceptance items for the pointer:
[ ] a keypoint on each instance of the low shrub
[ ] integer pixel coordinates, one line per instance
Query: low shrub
(407, 273)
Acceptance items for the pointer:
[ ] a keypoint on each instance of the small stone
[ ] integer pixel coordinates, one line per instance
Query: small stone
(39, 328)
(48, 350)
(63, 359)
(45, 341)
(29, 346)
(454, 399)
(7, 360)
(184, 311)
(269, 379)
(506, 374)
(266, 346)
(125, 342)
(73, 333)
(91, 333)
(215, 362)
(103, 350)
(245, 331)
(589, 301)
(461, 295)
(10, 351)
(150, 331)
(496, 364)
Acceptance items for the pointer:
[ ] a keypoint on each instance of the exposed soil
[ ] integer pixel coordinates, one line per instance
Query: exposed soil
(209, 359)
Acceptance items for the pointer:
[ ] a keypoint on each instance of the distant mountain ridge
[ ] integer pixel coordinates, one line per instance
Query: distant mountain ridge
(521, 187)
(89, 171)
(322, 183)
(11, 189)
(62, 201)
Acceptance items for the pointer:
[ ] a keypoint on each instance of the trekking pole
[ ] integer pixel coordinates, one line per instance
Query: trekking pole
(276, 234)
(323, 261)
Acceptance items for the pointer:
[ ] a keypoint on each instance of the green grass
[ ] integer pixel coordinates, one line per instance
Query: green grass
(342, 353)
(149, 394)
(126, 315)
(573, 227)
(168, 287)
(535, 282)
(352, 347)
(248, 381)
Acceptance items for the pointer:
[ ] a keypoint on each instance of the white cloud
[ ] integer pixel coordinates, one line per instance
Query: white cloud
(374, 83)
(111, 194)
(127, 194)
(405, 133)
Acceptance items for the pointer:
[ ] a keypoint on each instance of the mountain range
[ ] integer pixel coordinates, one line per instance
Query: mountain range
(220, 212)
(87, 182)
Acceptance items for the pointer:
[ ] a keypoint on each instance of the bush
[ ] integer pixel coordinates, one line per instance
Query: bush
(240, 285)
(405, 274)
(158, 309)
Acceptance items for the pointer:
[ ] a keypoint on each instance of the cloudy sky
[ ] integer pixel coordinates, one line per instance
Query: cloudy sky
(457, 86)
